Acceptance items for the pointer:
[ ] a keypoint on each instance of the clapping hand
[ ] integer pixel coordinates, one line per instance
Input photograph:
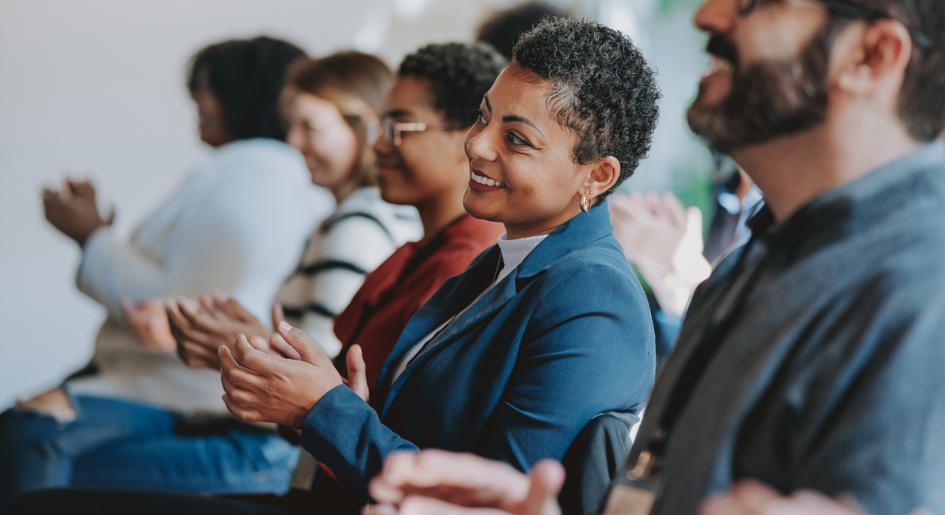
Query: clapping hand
(73, 210)
(201, 326)
(262, 387)
(148, 320)
(445, 483)
(664, 240)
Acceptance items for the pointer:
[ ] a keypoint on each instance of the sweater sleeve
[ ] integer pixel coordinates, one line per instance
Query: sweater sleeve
(242, 239)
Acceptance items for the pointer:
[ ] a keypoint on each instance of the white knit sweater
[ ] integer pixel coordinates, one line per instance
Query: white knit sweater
(237, 226)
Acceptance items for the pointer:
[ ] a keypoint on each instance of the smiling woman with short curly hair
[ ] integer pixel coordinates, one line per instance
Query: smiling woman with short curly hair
(544, 331)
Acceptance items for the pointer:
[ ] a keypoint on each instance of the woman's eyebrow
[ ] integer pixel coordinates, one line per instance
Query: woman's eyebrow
(398, 113)
(521, 119)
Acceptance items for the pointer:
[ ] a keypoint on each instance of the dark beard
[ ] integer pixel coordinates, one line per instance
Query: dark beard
(769, 99)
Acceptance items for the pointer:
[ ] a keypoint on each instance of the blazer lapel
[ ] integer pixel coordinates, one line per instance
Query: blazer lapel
(578, 233)
(455, 294)
(487, 306)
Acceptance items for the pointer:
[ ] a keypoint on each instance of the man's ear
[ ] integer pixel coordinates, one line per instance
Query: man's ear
(879, 55)
(602, 176)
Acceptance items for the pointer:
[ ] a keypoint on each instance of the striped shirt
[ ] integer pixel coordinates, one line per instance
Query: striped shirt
(361, 233)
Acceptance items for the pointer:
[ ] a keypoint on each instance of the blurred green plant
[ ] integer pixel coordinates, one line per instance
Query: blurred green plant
(667, 6)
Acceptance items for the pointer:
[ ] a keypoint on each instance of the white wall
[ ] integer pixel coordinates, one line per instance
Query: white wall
(95, 87)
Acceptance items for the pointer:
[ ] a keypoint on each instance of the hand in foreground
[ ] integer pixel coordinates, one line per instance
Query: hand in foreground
(754, 498)
(148, 320)
(261, 387)
(201, 326)
(664, 240)
(73, 210)
(440, 482)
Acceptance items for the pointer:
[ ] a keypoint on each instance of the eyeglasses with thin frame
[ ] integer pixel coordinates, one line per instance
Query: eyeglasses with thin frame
(393, 131)
(852, 10)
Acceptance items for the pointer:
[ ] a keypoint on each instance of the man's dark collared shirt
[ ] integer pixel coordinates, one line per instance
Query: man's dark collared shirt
(826, 369)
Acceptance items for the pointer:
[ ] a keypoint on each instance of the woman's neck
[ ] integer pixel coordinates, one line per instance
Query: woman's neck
(438, 213)
(541, 228)
(342, 192)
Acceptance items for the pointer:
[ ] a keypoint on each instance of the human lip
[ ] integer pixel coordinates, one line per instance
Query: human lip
(717, 66)
(484, 180)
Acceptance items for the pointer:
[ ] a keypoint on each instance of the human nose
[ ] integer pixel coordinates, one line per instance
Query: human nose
(295, 137)
(716, 16)
(479, 144)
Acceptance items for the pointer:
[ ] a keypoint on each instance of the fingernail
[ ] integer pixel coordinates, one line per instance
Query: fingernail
(284, 326)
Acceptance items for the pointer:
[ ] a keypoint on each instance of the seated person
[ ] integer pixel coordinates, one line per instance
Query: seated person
(365, 226)
(332, 108)
(412, 173)
(811, 359)
(511, 359)
(667, 244)
(236, 225)
(502, 28)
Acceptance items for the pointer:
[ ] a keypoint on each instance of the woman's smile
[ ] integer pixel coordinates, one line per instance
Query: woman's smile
(481, 182)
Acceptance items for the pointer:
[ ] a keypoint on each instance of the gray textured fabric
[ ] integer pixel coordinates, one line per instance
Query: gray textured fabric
(830, 375)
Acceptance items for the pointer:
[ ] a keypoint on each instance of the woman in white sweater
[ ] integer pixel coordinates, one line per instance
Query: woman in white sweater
(230, 227)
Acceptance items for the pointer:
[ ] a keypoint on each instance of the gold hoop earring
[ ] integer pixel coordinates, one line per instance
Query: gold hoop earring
(585, 203)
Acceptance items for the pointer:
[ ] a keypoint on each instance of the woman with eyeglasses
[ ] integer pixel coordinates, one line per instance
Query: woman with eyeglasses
(421, 163)
(419, 147)
(545, 330)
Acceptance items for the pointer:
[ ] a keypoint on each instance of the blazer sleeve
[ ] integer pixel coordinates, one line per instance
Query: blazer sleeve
(582, 354)
(346, 434)
(584, 358)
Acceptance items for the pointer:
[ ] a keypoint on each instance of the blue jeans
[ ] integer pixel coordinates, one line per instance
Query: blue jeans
(123, 444)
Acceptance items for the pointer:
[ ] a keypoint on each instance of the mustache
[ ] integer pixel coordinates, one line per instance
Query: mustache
(723, 49)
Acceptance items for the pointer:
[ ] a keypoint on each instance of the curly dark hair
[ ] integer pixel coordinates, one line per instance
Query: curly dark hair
(503, 28)
(460, 73)
(246, 77)
(602, 88)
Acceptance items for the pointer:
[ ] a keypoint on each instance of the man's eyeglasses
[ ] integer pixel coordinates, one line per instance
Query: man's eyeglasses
(393, 131)
(852, 10)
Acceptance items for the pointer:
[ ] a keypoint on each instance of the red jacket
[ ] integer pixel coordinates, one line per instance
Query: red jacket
(395, 291)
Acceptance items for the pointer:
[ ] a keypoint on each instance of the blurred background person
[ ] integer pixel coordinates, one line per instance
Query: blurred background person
(502, 28)
(226, 228)
(559, 241)
(667, 245)
(416, 172)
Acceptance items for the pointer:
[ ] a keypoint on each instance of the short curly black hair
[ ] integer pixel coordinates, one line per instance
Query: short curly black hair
(246, 77)
(602, 88)
(460, 73)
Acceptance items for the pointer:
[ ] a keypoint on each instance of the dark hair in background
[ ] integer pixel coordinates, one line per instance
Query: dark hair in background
(354, 82)
(246, 77)
(460, 74)
(602, 88)
(921, 105)
(503, 28)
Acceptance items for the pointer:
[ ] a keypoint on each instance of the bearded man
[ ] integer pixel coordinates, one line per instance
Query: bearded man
(811, 359)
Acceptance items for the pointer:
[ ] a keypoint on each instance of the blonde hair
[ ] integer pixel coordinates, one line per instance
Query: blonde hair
(356, 83)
